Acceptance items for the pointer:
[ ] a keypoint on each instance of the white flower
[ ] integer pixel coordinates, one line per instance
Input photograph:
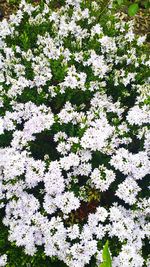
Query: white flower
(141, 40)
(136, 165)
(96, 135)
(102, 178)
(3, 260)
(108, 44)
(49, 204)
(128, 190)
(68, 161)
(67, 202)
(97, 29)
(138, 116)
(99, 66)
(73, 232)
(128, 257)
(53, 179)
(1, 126)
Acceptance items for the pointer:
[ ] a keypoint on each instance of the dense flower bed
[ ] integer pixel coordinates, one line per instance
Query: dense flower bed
(75, 136)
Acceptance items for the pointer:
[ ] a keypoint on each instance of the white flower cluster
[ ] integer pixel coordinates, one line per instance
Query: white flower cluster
(3, 260)
(102, 178)
(74, 134)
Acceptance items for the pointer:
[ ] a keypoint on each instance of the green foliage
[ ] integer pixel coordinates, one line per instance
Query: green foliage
(107, 262)
(132, 6)
(13, 2)
(25, 40)
(120, 2)
(133, 9)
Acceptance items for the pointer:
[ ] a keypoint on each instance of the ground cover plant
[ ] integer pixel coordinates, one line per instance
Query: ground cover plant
(74, 138)
(133, 5)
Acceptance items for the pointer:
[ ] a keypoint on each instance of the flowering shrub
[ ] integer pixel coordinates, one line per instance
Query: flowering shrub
(75, 136)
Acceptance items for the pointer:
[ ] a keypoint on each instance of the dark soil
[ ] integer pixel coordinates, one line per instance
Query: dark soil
(6, 9)
(142, 22)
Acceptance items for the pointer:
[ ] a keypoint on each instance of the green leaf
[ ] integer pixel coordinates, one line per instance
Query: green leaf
(120, 2)
(147, 4)
(133, 9)
(107, 262)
